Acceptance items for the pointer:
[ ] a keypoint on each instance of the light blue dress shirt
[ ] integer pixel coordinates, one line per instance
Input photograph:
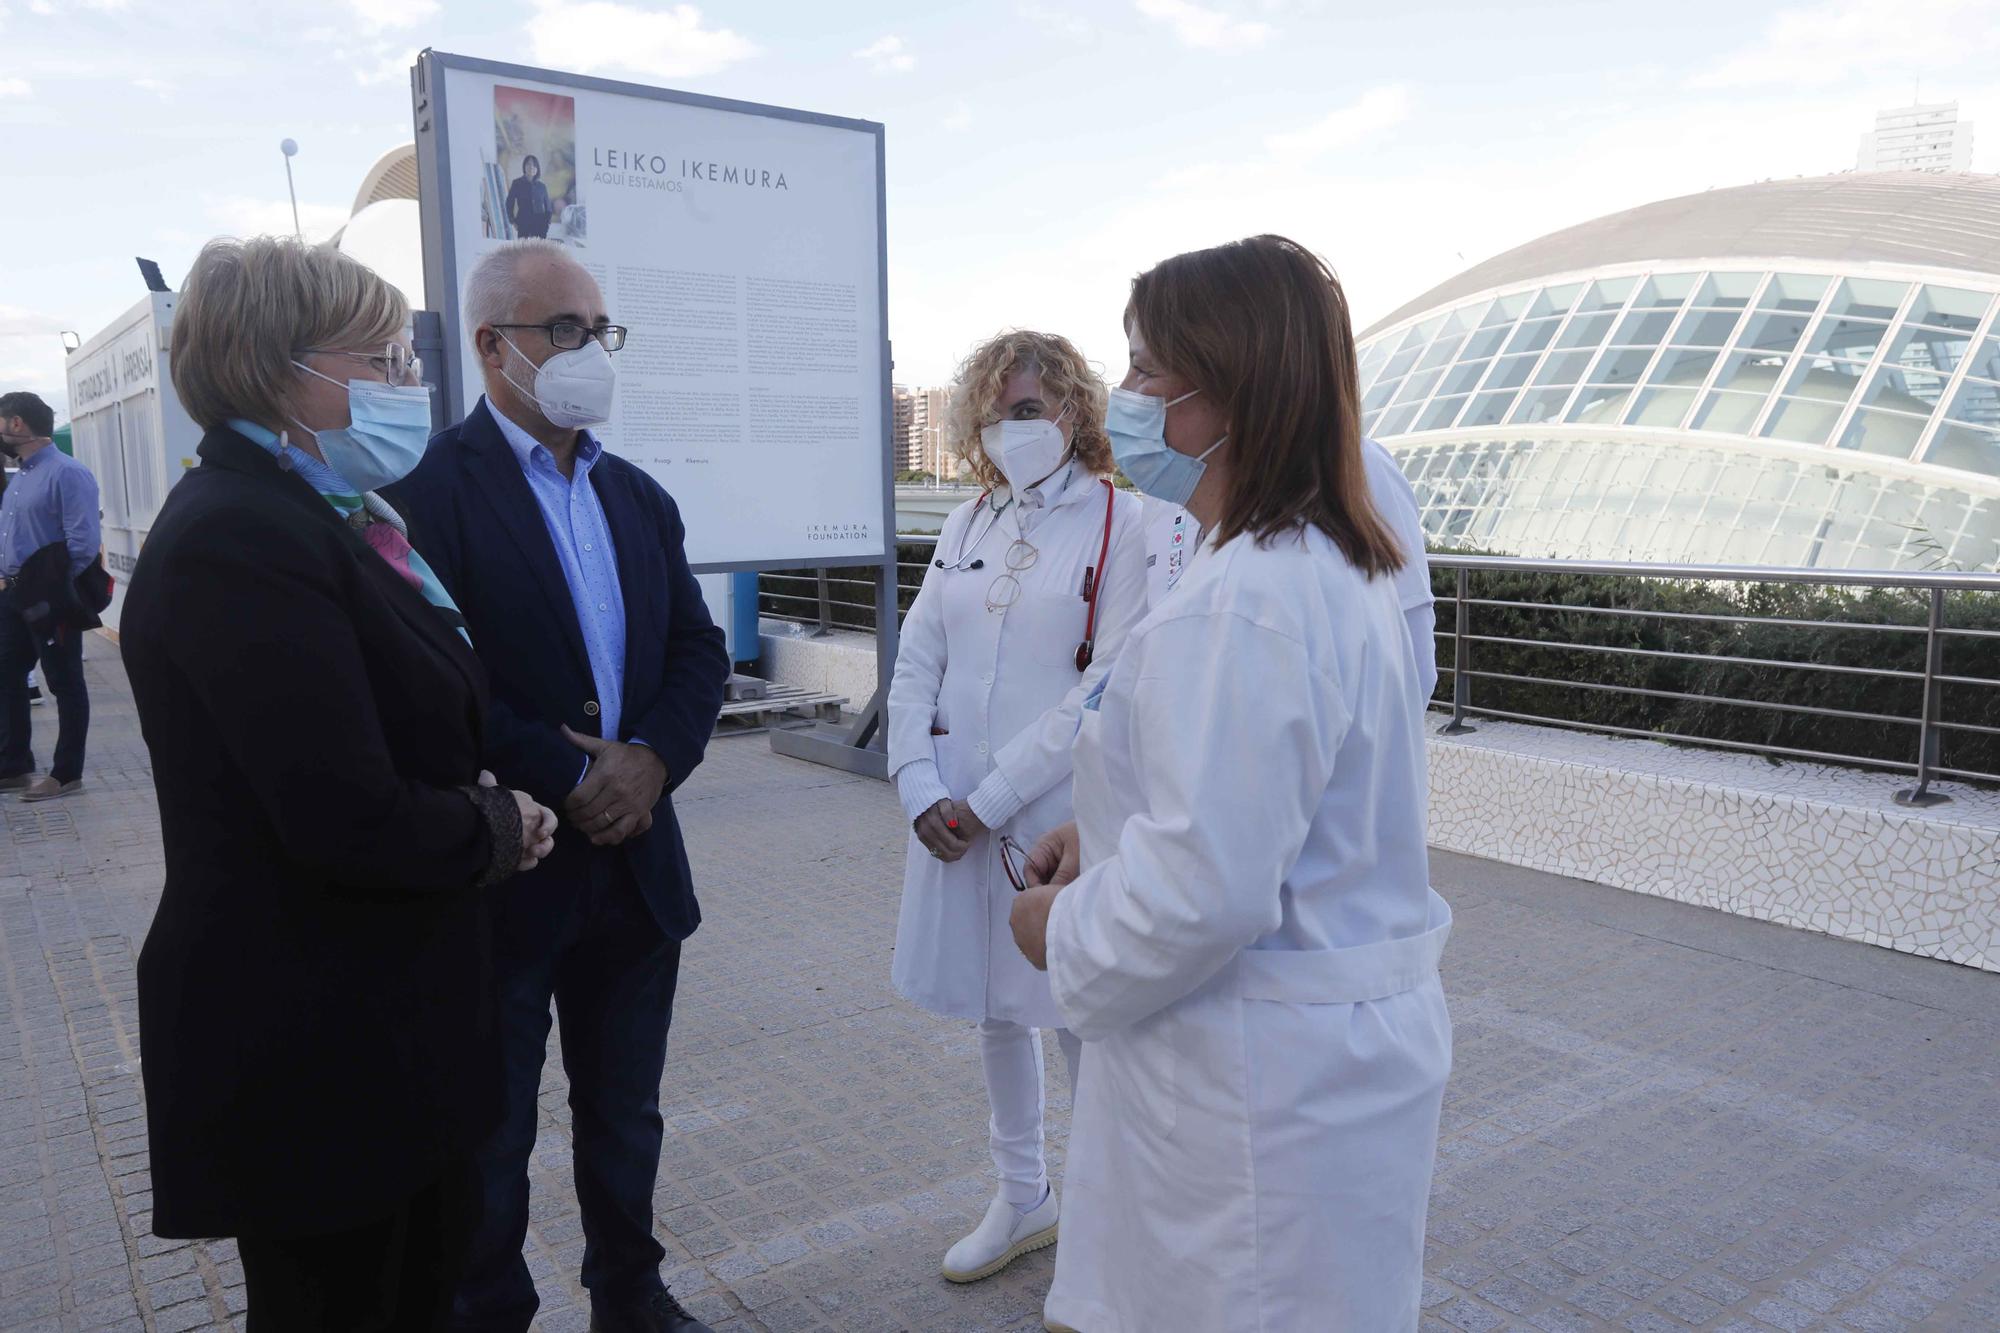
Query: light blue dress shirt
(582, 540)
(52, 499)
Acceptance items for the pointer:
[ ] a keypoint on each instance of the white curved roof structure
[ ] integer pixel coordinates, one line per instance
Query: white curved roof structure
(1794, 372)
(383, 229)
(394, 176)
(388, 237)
(1949, 221)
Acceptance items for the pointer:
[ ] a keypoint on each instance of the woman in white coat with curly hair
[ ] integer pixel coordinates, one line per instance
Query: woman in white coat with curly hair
(1030, 593)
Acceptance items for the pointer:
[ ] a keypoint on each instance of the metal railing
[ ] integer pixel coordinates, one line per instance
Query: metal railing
(1706, 655)
(1788, 688)
(842, 597)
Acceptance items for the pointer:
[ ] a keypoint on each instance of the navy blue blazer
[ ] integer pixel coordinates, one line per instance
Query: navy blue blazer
(472, 515)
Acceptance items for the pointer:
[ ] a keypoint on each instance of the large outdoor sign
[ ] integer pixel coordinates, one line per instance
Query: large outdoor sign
(741, 245)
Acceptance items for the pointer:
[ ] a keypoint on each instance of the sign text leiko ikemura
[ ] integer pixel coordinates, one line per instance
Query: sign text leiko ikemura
(742, 248)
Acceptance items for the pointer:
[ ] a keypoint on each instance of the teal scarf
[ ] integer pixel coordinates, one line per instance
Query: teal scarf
(367, 513)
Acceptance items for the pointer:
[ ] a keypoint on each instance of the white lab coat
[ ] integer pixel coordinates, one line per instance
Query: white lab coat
(1005, 688)
(1250, 956)
(1172, 535)
(1396, 501)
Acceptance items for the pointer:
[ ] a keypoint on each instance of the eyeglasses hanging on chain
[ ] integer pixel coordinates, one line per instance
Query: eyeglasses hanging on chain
(1006, 589)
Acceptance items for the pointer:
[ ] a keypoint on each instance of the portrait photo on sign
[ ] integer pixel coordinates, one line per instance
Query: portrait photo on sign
(530, 185)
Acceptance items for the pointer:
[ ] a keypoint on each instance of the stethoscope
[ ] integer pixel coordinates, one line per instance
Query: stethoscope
(965, 544)
(1092, 581)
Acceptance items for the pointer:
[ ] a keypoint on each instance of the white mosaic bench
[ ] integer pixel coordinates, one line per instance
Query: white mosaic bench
(1805, 845)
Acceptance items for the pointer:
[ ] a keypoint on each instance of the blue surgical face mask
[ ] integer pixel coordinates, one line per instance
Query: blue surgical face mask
(386, 438)
(1137, 424)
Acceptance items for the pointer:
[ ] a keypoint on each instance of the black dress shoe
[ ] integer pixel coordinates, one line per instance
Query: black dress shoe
(656, 1313)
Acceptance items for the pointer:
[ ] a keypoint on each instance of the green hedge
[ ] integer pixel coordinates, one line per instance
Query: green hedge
(1718, 668)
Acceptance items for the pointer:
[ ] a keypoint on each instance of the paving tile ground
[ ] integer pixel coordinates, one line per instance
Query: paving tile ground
(1662, 1117)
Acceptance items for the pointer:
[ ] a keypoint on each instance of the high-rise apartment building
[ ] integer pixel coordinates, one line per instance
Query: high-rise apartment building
(1924, 137)
(908, 445)
(919, 432)
(939, 461)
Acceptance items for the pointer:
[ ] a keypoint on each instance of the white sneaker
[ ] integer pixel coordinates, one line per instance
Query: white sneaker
(1003, 1236)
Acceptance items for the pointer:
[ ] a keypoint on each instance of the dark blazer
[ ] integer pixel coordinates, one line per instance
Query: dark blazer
(472, 514)
(50, 599)
(528, 206)
(314, 1002)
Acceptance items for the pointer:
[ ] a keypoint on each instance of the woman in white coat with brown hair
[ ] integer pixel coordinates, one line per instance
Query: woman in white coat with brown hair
(1251, 948)
(1029, 595)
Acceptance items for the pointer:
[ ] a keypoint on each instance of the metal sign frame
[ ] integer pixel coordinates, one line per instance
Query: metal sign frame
(856, 747)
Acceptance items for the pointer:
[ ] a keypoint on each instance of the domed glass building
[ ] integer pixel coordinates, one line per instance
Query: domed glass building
(1800, 372)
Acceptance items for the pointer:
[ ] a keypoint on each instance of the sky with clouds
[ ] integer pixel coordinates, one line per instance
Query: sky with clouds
(1039, 153)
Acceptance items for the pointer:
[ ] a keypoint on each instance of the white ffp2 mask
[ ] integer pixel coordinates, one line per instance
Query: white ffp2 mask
(1026, 452)
(573, 388)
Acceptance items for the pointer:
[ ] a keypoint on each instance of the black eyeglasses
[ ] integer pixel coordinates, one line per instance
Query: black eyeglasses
(568, 336)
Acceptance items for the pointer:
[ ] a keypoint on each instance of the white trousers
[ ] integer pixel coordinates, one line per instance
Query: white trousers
(1012, 1056)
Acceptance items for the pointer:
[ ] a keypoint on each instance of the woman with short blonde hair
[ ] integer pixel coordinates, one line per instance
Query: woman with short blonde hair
(1031, 591)
(250, 307)
(312, 992)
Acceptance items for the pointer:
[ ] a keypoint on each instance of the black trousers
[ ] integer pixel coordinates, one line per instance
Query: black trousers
(394, 1275)
(62, 675)
(611, 972)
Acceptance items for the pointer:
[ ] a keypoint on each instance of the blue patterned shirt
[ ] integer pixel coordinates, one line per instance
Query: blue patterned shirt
(582, 540)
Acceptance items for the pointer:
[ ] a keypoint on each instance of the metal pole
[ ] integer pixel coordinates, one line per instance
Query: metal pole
(825, 605)
(888, 620)
(427, 341)
(1921, 796)
(297, 230)
(1461, 655)
(289, 147)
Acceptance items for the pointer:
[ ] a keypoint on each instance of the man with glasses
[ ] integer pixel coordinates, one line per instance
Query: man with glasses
(607, 678)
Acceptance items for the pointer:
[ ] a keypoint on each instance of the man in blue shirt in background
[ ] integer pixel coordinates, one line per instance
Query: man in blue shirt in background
(53, 499)
(607, 675)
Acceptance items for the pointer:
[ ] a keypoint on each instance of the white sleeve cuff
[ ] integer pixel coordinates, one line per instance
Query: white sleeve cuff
(920, 786)
(995, 801)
